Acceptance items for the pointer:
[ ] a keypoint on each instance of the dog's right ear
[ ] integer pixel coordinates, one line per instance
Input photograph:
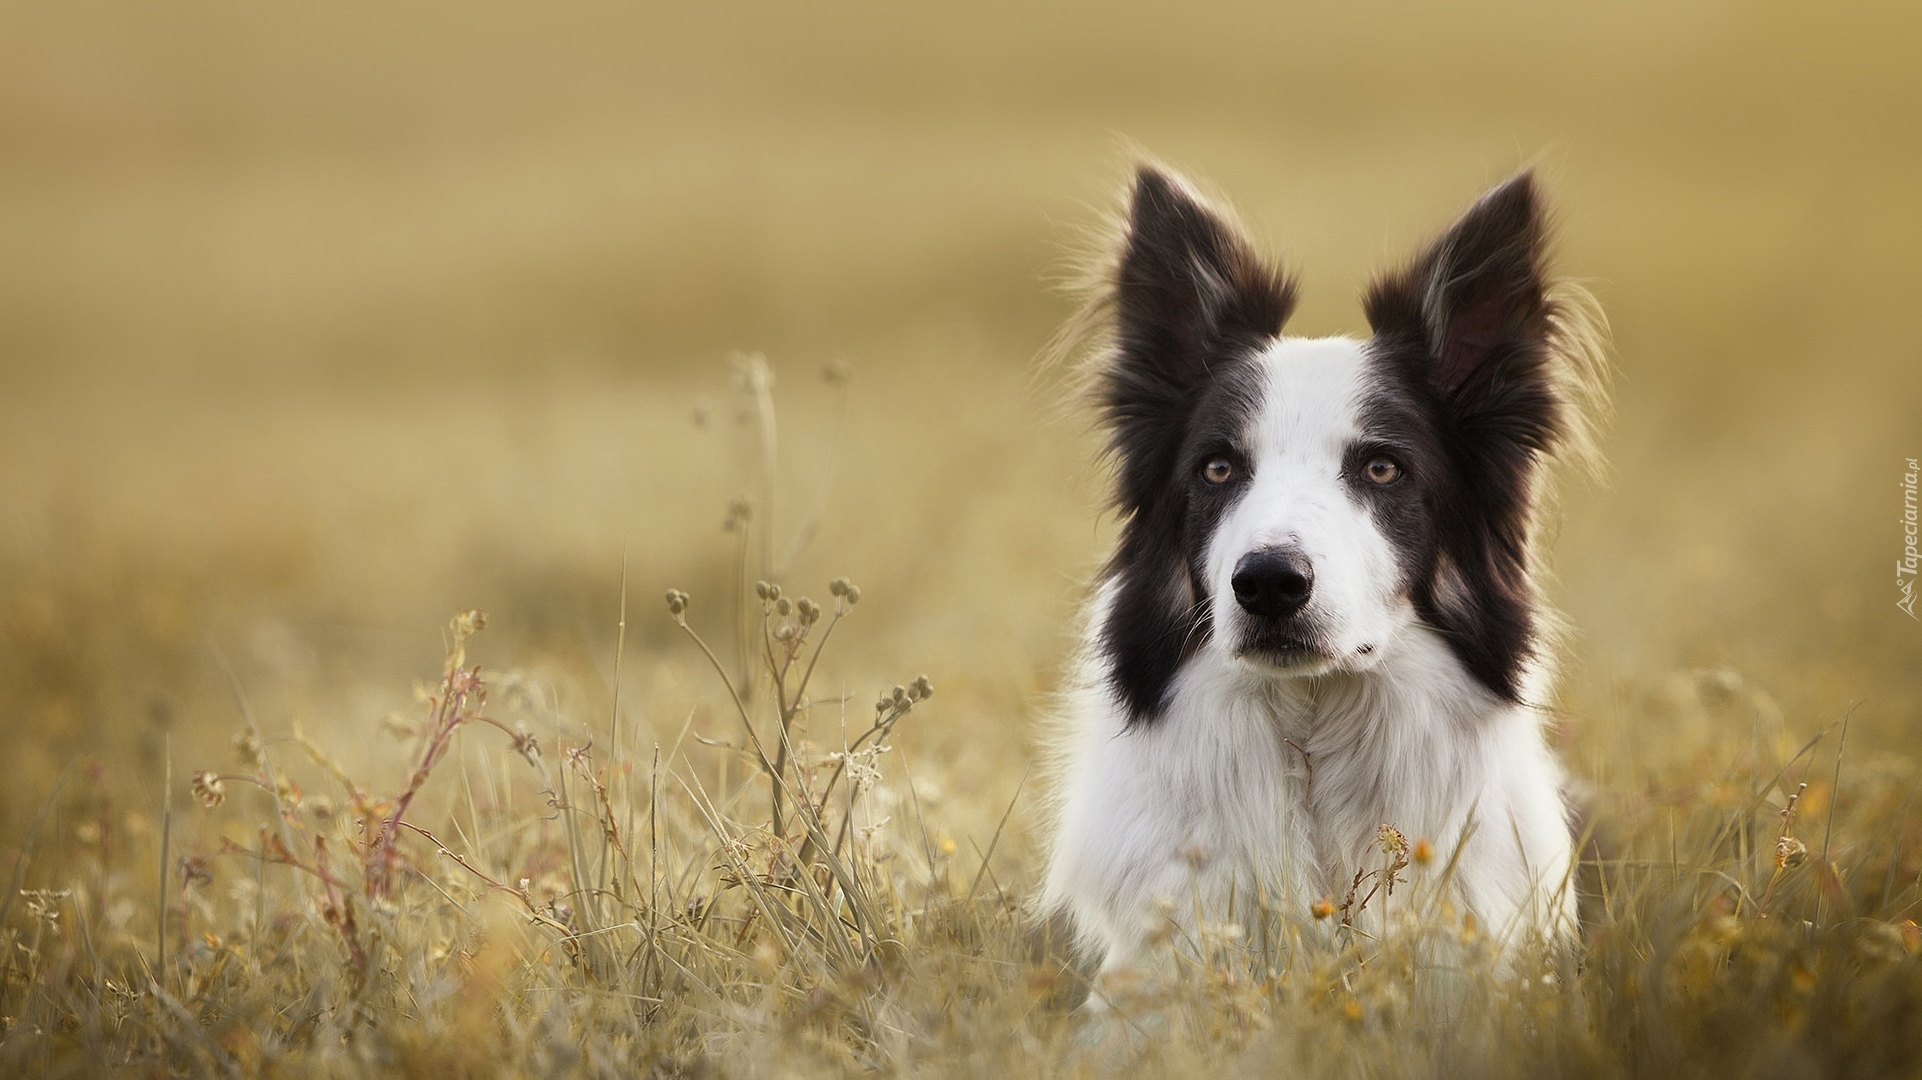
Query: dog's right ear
(1189, 298)
(1189, 288)
(1188, 293)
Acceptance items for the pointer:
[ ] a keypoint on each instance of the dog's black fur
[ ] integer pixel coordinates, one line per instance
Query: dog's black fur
(1461, 346)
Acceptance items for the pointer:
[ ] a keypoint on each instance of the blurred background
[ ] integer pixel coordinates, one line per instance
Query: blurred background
(319, 323)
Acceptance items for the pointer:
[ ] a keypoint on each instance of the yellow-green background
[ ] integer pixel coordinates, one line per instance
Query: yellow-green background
(318, 322)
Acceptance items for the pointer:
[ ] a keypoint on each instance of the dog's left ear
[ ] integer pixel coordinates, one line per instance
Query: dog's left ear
(1475, 299)
(1472, 318)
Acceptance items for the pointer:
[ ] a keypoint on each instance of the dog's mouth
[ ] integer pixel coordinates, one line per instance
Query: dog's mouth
(1282, 651)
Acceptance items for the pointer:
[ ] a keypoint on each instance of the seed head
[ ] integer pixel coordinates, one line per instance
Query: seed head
(676, 601)
(838, 587)
(527, 746)
(782, 606)
(44, 904)
(209, 789)
(246, 748)
(1392, 841)
(195, 870)
(920, 689)
(810, 611)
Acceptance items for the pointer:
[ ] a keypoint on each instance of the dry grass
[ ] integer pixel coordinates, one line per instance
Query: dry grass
(532, 888)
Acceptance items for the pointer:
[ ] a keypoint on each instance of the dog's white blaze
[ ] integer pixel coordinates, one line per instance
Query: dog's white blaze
(1310, 416)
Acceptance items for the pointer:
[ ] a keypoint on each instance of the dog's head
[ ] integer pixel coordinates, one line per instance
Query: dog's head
(1296, 504)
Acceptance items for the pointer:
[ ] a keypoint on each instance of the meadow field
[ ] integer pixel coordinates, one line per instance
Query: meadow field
(324, 331)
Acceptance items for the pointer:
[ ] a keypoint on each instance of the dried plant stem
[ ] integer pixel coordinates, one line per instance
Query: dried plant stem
(1825, 867)
(761, 384)
(166, 839)
(449, 712)
(614, 725)
(740, 707)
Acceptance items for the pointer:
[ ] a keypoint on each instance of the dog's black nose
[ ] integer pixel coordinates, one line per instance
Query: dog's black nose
(1273, 583)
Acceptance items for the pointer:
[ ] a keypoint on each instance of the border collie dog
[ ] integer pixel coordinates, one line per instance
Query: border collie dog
(1321, 616)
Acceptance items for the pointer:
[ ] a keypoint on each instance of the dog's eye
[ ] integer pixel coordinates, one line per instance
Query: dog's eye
(1383, 471)
(1218, 470)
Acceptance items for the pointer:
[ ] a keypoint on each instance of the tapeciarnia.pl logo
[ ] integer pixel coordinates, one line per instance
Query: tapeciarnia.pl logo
(1905, 566)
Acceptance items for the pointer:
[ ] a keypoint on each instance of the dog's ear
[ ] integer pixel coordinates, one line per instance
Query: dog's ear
(1475, 298)
(1190, 299)
(1471, 318)
(1188, 288)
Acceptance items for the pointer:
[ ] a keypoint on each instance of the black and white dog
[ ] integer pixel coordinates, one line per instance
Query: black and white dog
(1322, 614)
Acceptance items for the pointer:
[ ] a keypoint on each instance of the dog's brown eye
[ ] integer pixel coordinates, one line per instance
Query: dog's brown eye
(1383, 471)
(1218, 470)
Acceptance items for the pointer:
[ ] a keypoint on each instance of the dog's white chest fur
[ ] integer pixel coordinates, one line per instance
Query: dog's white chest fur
(1252, 794)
